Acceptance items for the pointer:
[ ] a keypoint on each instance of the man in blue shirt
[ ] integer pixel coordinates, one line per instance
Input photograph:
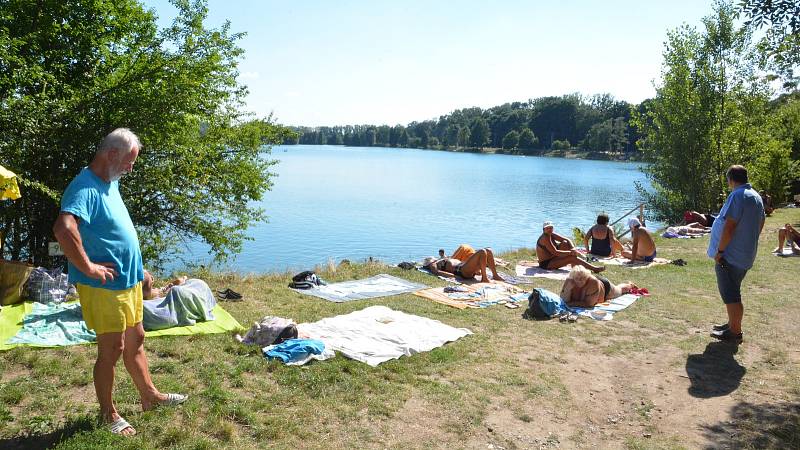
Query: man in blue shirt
(733, 245)
(105, 264)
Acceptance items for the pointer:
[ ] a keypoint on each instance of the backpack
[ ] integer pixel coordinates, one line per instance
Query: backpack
(306, 280)
(542, 304)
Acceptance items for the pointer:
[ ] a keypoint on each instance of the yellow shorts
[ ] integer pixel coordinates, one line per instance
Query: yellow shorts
(107, 311)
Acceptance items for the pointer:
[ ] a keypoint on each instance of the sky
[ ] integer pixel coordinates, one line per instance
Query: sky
(337, 62)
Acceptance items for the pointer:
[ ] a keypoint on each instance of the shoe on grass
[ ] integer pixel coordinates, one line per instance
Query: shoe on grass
(721, 328)
(728, 336)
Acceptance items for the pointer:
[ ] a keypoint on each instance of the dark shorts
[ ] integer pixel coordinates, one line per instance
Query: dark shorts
(650, 258)
(545, 263)
(457, 271)
(729, 282)
(710, 220)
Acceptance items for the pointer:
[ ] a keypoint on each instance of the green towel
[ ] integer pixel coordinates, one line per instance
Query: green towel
(12, 319)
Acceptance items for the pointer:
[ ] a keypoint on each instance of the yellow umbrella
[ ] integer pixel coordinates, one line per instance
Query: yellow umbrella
(9, 190)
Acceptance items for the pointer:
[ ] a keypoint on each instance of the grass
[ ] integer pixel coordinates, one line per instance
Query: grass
(534, 384)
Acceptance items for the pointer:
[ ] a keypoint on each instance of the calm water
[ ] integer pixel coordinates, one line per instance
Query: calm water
(402, 204)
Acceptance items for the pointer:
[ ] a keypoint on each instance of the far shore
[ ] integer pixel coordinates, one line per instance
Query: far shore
(574, 153)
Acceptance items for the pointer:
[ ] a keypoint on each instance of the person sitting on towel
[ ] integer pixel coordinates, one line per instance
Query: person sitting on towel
(706, 220)
(555, 251)
(790, 234)
(604, 243)
(149, 291)
(766, 199)
(644, 248)
(477, 263)
(582, 289)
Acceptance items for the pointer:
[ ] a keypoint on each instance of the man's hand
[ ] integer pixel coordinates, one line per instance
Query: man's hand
(102, 271)
(718, 257)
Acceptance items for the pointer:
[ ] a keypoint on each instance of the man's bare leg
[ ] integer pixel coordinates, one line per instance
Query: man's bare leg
(781, 240)
(566, 260)
(109, 348)
(735, 315)
(136, 363)
(474, 264)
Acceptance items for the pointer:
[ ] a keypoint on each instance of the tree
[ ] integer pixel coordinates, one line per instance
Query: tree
(781, 41)
(78, 69)
(710, 111)
(451, 136)
(479, 132)
(609, 135)
(527, 140)
(561, 145)
(463, 137)
(511, 140)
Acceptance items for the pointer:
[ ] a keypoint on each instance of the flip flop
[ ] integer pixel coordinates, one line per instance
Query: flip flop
(120, 425)
(173, 400)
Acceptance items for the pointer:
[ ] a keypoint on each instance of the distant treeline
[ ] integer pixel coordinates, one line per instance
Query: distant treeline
(595, 123)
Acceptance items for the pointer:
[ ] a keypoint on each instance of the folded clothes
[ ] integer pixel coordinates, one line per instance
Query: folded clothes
(295, 351)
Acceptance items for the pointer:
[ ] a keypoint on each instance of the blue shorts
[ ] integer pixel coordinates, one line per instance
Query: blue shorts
(650, 258)
(729, 282)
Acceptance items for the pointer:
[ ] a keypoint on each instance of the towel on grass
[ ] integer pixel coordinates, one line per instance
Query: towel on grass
(481, 295)
(296, 352)
(625, 262)
(185, 304)
(531, 270)
(610, 307)
(378, 286)
(62, 324)
(378, 334)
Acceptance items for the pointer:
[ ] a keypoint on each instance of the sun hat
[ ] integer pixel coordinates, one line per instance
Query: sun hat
(546, 224)
(633, 222)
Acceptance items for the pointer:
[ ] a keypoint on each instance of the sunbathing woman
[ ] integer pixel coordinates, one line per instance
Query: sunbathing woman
(477, 263)
(706, 220)
(790, 234)
(555, 251)
(693, 229)
(585, 290)
(604, 243)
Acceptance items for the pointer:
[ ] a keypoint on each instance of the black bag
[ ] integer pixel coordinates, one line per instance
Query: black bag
(535, 311)
(306, 280)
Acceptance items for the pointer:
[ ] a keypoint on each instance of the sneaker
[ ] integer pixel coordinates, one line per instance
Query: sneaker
(720, 328)
(727, 336)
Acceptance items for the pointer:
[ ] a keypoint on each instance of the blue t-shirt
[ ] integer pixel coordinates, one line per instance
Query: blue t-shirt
(745, 206)
(106, 230)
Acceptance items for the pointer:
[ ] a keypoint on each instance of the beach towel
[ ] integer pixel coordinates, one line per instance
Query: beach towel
(609, 308)
(378, 286)
(785, 253)
(530, 270)
(480, 295)
(625, 262)
(378, 334)
(63, 325)
(183, 305)
(507, 278)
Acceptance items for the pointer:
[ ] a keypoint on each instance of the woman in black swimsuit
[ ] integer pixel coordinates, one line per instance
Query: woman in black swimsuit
(585, 290)
(555, 251)
(604, 243)
(477, 263)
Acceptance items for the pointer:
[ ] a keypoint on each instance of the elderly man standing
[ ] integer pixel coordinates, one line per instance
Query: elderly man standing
(105, 263)
(733, 245)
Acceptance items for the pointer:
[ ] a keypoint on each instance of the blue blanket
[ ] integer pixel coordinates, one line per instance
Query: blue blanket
(54, 324)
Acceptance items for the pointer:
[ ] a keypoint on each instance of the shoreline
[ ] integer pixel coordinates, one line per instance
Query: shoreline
(543, 153)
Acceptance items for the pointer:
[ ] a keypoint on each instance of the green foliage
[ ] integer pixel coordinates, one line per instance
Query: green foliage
(527, 140)
(710, 111)
(780, 44)
(74, 70)
(609, 135)
(511, 140)
(479, 132)
(561, 145)
(463, 137)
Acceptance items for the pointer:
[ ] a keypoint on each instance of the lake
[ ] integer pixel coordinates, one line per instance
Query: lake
(404, 204)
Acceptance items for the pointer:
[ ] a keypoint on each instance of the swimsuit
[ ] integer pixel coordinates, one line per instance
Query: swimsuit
(601, 247)
(650, 258)
(457, 271)
(546, 262)
(606, 286)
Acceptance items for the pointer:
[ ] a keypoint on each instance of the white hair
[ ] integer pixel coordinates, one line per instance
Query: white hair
(577, 277)
(122, 139)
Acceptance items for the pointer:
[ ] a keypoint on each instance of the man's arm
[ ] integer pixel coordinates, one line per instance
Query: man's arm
(67, 235)
(559, 239)
(435, 270)
(586, 239)
(727, 234)
(635, 248)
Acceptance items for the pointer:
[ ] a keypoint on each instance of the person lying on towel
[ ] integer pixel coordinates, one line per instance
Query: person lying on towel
(706, 220)
(555, 251)
(790, 234)
(604, 243)
(644, 248)
(583, 289)
(477, 263)
(182, 302)
(693, 229)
